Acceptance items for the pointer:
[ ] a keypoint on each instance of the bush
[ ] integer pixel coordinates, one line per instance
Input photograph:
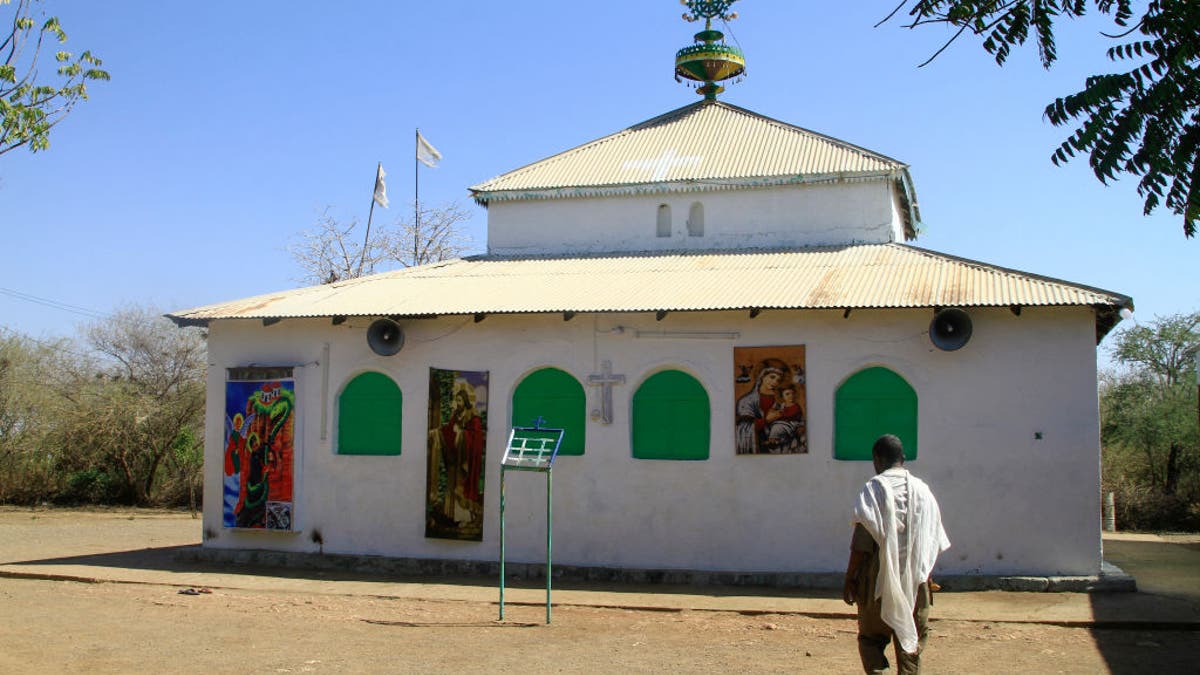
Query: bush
(26, 481)
(120, 425)
(91, 486)
(184, 476)
(1140, 503)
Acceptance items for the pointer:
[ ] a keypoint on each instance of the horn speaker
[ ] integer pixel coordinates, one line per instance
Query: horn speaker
(950, 329)
(385, 337)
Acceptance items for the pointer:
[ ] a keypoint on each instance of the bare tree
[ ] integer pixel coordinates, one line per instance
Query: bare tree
(334, 251)
(145, 407)
(149, 351)
(435, 237)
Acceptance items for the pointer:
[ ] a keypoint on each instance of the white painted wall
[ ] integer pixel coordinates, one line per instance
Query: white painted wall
(1011, 504)
(789, 216)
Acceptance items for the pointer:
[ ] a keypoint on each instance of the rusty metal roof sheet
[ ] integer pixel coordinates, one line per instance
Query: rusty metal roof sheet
(704, 146)
(843, 277)
(708, 140)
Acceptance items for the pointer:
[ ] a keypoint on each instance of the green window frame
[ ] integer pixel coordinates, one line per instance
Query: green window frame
(671, 418)
(370, 411)
(870, 403)
(556, 397)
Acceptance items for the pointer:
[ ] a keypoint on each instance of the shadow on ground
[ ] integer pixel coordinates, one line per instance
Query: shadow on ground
(1154, 630)
(183, 560)
(1168, 579)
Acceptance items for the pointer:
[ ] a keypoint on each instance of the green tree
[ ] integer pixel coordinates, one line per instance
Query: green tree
(1143, 120)
(30, 106)
(1149, 418)
(31, 377)
(144, 408)
(119, 420)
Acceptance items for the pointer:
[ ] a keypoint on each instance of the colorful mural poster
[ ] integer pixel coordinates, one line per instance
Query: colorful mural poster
(771, 402)
(260, 448)
(456, 449)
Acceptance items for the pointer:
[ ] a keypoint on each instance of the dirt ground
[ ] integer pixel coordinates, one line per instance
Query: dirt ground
(51, 625)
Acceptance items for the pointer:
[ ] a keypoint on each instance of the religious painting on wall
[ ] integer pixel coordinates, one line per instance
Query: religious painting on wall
(771, 407)
(456, 450)
(260, 449)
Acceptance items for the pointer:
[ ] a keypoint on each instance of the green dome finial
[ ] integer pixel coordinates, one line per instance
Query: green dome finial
(710, 60)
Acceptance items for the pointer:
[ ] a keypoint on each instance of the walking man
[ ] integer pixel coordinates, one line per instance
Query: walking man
(897, 538)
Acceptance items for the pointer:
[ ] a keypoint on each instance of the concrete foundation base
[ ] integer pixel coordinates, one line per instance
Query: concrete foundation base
(1110, 580)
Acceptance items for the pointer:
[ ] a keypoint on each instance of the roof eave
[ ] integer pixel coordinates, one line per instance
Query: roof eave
(1107, 315)
(320, 302)
(484, 197)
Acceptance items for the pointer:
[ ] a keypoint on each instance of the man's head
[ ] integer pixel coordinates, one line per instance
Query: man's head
(887, 452)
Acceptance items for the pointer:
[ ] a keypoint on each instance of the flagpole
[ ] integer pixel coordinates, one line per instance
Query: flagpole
(416, 192)
(363, 256)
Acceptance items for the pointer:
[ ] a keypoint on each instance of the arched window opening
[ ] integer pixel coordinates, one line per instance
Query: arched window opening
(671, 418)
(870, 403)
(556, 397)
(664, 220)
(369, 416)
(695, 221)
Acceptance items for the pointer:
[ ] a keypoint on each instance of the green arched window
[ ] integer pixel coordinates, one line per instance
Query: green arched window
(369, 416)
(871, 403)
(671, 418)
(557, 398)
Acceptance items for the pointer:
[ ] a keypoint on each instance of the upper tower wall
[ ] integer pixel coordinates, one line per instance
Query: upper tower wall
(763, 218)
(760, 183)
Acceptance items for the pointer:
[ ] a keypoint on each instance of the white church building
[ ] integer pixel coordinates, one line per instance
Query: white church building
(722, 311)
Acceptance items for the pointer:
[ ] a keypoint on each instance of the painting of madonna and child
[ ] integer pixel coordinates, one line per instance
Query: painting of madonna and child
(458, 404)
(771, 409)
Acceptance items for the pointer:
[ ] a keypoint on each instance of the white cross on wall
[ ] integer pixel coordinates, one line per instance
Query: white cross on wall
(662, 165)
(605, 379)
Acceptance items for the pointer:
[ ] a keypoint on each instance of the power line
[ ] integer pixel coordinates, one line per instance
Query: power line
(59, 344)
(53, 304)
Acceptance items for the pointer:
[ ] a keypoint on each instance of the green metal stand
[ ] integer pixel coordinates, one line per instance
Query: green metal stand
(530, 449)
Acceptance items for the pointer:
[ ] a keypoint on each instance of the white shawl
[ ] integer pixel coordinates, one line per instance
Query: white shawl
(908, 549)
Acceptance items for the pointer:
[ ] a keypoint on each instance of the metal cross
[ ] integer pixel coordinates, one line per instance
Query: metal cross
(661, 166)
(605, 379)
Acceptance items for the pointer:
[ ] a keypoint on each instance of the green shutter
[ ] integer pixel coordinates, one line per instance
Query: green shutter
(671, 418)
(873, 402)
(557, 398)
(369, 412)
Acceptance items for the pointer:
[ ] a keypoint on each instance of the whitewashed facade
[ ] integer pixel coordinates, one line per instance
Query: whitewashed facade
(1008, 425)
(1012, 503)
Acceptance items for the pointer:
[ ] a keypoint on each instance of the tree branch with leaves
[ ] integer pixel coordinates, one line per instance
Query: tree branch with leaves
(29, 106)
(1144, 121)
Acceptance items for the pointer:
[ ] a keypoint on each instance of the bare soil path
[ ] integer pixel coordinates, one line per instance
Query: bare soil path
(51, 625)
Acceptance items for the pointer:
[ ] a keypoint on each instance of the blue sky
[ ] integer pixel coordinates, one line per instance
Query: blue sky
(228, 127)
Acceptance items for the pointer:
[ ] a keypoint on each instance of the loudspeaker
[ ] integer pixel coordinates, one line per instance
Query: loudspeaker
(950, 329)
(385, 337)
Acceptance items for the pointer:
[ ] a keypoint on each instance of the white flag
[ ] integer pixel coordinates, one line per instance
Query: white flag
(380, 188)
(426, 153)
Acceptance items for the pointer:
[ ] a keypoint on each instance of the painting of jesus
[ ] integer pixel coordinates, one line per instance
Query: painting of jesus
(456, 450)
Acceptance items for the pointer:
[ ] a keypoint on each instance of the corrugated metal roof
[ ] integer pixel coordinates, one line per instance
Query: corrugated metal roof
(705, 141)
(705, 146)
(859, 276)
